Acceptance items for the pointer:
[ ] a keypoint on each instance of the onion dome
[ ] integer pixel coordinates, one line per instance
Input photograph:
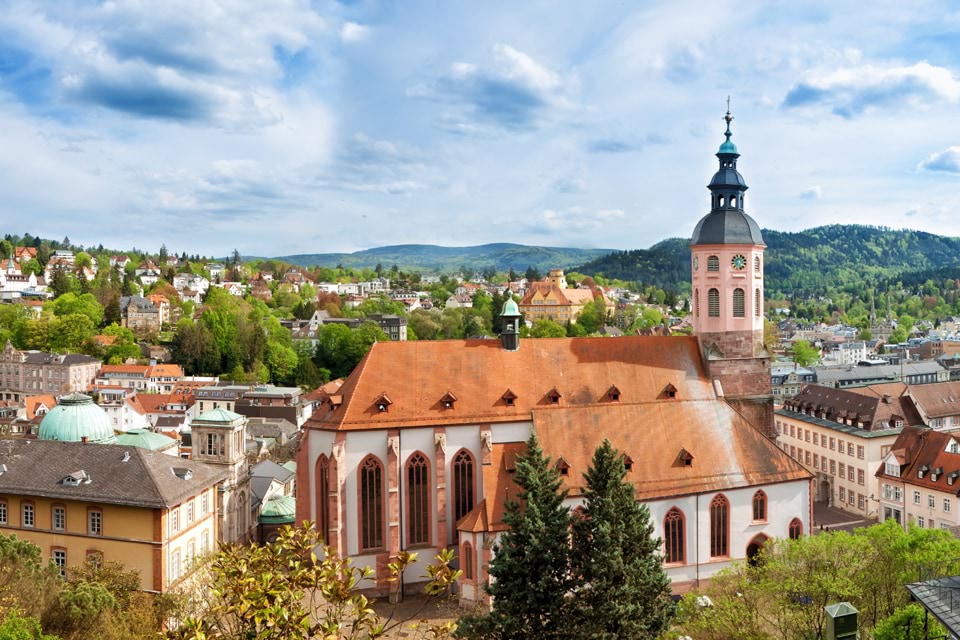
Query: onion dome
(77, 418)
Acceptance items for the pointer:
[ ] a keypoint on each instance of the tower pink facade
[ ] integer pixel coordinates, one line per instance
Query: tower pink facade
(727, 266)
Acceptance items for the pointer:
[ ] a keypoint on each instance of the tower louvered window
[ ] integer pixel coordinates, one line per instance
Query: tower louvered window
(371, 504)
(418, 500)
(756, 264)
(673, 537)
(713, 263)
(463, 490)
(738, 303)
(323, 497)
(757, 300)
(713, 303)
(696, 303)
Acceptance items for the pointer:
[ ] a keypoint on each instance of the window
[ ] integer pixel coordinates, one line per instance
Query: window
(204, 542)
(756, 303)
(174, 521)
(916, 497)
(816, 461)
(174, 565)
(190, 512)
(921, 522)
(759, 506)
(418, 500)
(95, 522)
(843, 470)
(756, 264)
(674, 539)
(467, 561)
(843, 494)
(713, 303)
(806, 435)
(212, 444)
(860, 452)
(738, 303)
(713, 263)
(833, 444)
(795, 530)
(59, 517)
(204, 507)
(696, 303)
(28, 514)
(3, 512)
(191, 549)
(371, 504)
(95, 558)
(860, 480)
(861, 501)
(719, 527)
(892, 469)
(946, 505)
(463, 489)
(850, 497)
(793, 451)
(59, 557)
(840, 446)
(931, 501)
(816, 439)
(792, 431)
(323, 497)
(807, 454)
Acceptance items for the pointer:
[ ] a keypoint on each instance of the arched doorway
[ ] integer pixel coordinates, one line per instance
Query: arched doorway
(754, 547)
(824, 496)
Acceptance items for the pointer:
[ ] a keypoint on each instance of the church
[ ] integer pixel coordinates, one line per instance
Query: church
(417, 450)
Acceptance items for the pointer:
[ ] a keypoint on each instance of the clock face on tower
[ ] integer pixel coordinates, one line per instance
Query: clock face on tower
(739, 262)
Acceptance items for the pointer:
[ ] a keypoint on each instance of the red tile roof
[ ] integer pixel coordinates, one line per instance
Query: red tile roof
(416, 375)
(918, 447)
(32, 403)
(938, 399)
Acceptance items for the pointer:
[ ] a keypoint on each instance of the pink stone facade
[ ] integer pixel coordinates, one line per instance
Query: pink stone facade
(726, 280)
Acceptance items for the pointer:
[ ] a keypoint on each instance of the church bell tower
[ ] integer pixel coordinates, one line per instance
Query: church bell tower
(727, 307)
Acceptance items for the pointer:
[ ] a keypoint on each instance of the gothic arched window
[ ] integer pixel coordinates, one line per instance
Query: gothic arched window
(713, 303)
(719, 527)
(323, 497)
(418, 500)
(466, 561)
(738, 303)
(795, 530)
(759, 506)
(463, 481)
(713, 263)
(371, 504)
(674, 537)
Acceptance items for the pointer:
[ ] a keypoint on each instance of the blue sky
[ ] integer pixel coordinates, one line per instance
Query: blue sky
(296, 127)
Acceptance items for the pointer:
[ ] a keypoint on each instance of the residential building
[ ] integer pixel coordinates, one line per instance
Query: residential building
(27, 373)
(418, 447)
(858, 376)
(268, 401)
(919, 479)
(841, 435)
(154, 378)
(219, 396)
(938, 404)
(552, 300)
(123, 408)
(139, 315)
(850, 353)
(149, 511)
(787, 381)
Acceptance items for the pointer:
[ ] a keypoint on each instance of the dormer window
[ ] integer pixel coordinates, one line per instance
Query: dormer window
(952, 476)
(554, 396)
(627, 463)
(447, 400)
(892, 468)
(922, 471)
(563, 467)
(509, 398)
(76, 478)
(685, 458)
(613, 394)
(382, 403)
(936, 473)
(669, 392)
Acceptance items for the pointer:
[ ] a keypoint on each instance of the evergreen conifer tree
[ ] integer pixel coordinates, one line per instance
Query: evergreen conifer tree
(625, 592)
(531, 561)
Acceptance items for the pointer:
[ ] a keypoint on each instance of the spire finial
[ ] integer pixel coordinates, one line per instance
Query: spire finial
(728, 118)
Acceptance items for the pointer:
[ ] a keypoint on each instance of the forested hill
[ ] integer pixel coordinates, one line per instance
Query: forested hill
(799, 263)
(426, 257)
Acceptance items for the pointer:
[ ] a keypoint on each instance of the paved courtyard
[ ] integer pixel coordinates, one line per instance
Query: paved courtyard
(826, 518)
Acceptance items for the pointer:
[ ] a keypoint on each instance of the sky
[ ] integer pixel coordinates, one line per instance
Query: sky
(292, 126)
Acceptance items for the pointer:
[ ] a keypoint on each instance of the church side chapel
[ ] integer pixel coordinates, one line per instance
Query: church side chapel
(417, 450)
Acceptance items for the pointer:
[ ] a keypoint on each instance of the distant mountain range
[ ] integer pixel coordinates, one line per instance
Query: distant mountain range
(427, 257)
(800, 263)
(803, 262)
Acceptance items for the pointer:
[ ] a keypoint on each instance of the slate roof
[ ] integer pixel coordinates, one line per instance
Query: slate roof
(416, 375)
(727, 226)
(148, 479)
(41, 357)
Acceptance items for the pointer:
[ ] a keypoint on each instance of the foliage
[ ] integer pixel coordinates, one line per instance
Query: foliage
(624, 591)
(531, 561)
(783, 595)
(16, 627)
(913, 618)
(804, 354)
(283, 591)
(545, 328)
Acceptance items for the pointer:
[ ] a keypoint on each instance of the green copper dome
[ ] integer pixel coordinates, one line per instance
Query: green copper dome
(77, 418)
(145, 439)
(510, 308)
(279, 510)
(728, 147)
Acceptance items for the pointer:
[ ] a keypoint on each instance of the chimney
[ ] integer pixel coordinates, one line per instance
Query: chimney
(84, 439)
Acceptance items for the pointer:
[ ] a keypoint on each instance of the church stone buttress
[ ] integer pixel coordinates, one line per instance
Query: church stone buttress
(727, 266)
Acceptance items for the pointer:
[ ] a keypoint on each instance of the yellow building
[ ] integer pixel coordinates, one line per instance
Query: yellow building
(552, 300)
(147, 510)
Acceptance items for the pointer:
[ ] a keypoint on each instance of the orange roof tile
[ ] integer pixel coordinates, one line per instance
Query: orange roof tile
(727, 451)
(918, 447)
(416, 375)
(937, 399)
(32, 403)
(166, 370)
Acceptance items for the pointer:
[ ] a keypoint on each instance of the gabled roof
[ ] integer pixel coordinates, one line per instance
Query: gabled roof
(147, 479)
(728, 452)
(937, 399)
(33, 403)
(876, 406)
(918, 447)
(415, 374)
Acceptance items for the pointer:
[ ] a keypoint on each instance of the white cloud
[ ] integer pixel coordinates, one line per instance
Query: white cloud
(352, 32)
(947, 161)
(812, 193)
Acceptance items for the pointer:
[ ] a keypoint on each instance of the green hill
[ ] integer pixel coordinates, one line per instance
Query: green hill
(799, 263)
(432, 258)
